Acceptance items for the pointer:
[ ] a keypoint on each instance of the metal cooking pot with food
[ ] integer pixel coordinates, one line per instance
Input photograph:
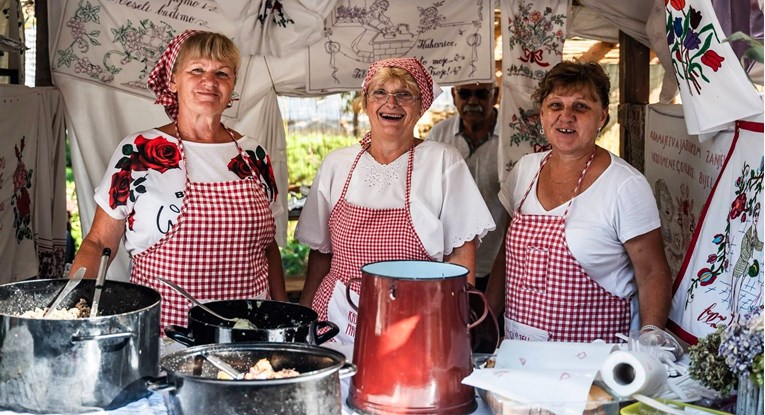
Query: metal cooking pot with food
(277, 321)
(194, 388)
(74, 366)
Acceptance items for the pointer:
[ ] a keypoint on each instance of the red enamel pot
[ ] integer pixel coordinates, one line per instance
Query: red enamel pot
(412, 346)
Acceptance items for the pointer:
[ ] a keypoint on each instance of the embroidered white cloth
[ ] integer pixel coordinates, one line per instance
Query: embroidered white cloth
(723, 275)
(714, 87)
(32, 186)
(533, 33)
(116, 44)
(453, 40)
(276, 28)
(681, 171)
(18, 171)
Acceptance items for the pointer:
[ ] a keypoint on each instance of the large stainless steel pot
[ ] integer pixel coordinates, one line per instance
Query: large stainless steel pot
(74, 366)
(277, 321)
(194, 389)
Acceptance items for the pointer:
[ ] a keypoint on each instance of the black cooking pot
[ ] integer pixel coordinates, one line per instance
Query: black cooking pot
(194, 389)
(277, 321)
(70, 366)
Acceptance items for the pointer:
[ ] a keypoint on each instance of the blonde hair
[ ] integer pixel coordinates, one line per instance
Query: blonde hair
(209, 45)
(383, 75)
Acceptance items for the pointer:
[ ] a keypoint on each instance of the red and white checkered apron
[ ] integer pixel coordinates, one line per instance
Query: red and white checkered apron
(215, 250)
(547, 288)
(361, 235)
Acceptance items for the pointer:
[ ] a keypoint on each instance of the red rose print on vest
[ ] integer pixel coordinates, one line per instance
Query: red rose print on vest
(156, 154)
(263, 170)
(119, 190)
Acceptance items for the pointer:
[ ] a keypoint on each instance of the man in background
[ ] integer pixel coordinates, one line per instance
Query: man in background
(473, 132)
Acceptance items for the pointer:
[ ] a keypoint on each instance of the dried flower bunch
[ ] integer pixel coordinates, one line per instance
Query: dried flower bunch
(742, 347)
(720, 358)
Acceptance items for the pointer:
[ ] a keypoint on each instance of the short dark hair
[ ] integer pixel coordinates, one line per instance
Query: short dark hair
(569, 75)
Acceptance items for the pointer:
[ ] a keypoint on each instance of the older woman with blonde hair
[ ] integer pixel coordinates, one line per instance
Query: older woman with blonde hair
(194, 199)
(391, 197)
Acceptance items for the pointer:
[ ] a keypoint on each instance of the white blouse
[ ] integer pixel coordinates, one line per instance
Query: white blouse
(447, 208)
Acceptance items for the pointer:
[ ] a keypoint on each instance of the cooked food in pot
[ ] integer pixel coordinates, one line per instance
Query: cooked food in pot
(263, 370)
(80, 310)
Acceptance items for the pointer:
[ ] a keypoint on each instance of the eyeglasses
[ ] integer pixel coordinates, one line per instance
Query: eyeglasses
(380, 96)
(478, 93)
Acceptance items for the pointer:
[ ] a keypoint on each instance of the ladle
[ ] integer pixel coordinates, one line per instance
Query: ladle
(223, 366)
(239, 323)
(70, 285)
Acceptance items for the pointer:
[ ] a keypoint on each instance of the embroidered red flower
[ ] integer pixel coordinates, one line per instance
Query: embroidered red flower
(119, 189)
(712, 60)
(738, 206)
(677, 4)
(155, 154)
(23, 203)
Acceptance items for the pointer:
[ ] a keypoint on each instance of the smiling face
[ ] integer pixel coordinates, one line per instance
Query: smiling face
(389, 116)
(571, 118)
(203, 85)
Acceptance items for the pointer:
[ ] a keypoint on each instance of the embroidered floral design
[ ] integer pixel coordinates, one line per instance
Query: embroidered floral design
(148, 154)
(20, 200)
(262, 163)
(744, 207)
(690, 44)
(143, 44)
(536, 33)
(526, 130)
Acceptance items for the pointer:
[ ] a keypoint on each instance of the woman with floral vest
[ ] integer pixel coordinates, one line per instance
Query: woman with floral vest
(194, 200)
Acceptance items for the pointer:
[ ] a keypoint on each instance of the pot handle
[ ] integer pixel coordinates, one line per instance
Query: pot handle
(477, 292)
(321, 338)
(160, 384)
(180, 334)
(348, 369)
(97, 337)
(348, 293)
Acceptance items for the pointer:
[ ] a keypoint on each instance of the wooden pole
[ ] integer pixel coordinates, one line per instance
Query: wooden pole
(634, 88)
(43, 75)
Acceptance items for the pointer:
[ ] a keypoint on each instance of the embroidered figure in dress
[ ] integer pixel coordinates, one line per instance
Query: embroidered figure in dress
(738, 238)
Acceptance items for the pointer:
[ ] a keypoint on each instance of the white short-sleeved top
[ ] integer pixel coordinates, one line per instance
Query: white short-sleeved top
(447, 208)
(617, 207)
(146, 176)
(482, 164)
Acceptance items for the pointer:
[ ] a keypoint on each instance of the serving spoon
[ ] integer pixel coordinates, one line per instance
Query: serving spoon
(239, 323)
(70, 285)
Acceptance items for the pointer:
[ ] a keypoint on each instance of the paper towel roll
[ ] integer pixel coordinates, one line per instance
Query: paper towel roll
(627, 373)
